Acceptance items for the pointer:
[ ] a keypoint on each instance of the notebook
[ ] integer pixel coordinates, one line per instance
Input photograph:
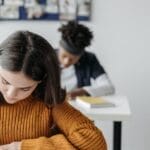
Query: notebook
(93, 102)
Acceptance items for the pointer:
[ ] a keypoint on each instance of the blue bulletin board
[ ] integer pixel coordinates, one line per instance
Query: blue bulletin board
(45, 10)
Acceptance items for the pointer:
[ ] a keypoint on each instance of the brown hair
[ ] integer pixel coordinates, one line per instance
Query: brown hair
(34, 56)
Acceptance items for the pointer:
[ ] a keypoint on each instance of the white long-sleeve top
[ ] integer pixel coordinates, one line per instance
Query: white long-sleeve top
(99, 87)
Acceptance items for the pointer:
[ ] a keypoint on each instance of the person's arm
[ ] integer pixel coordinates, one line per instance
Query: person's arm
(101, 86)
(77, 92)
(77, 132)
(78, 129)
(56, 142)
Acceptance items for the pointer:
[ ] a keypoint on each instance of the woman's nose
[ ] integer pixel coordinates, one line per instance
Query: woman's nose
(11, 92)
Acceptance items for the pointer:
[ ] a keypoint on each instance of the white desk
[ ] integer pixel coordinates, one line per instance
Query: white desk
(117, 114)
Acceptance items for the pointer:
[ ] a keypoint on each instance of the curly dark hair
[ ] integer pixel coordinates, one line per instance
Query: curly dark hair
(76, 34)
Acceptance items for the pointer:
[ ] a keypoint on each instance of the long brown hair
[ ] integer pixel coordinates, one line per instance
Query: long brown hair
(34, 56)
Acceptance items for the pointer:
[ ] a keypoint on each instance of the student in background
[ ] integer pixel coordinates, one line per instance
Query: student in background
(81, 74)
(32, 102)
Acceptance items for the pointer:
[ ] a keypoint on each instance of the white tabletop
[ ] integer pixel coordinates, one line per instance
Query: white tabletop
(120, 112)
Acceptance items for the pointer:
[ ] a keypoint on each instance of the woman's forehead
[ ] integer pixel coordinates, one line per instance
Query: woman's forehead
(17, 79)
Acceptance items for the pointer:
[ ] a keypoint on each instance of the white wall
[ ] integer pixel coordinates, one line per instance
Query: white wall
(122, 34)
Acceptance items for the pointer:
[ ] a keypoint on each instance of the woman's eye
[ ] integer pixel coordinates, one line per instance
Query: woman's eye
(25, 89)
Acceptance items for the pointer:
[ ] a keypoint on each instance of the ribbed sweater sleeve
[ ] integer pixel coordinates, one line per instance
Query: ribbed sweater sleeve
(78, 132)
(78, 129)
(56, 142)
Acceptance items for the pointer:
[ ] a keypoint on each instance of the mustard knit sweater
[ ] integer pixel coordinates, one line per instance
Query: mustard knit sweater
(30, 122)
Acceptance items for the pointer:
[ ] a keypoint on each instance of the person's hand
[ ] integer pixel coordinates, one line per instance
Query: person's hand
(11, 146)
(77, 92)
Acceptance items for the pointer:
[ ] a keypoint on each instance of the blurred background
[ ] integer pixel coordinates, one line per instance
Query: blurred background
(122, 44)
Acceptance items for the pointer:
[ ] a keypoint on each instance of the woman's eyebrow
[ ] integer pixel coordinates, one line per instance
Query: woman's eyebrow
(5, 79)
(18, 87)
(26, 87)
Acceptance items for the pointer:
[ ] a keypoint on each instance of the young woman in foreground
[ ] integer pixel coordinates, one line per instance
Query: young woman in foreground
(32, 103)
